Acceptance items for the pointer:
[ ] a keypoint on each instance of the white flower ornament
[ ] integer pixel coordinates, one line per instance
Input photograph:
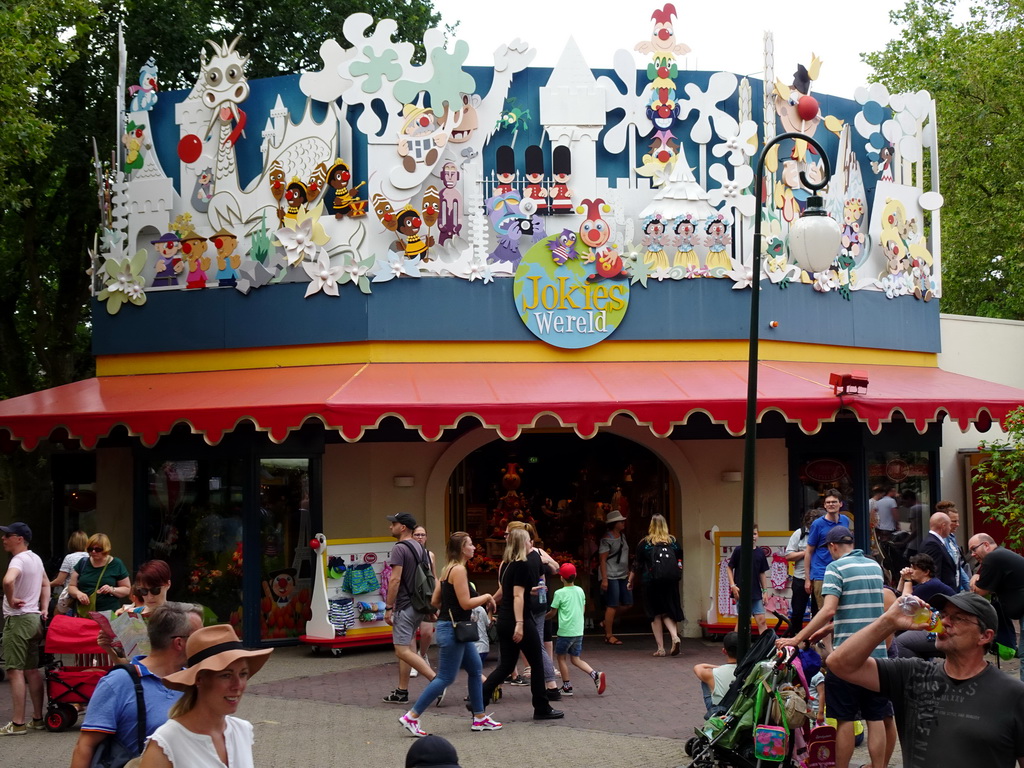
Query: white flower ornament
(739, 146)
(322, 276)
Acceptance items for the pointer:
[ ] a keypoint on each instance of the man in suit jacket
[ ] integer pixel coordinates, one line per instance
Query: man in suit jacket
(934, 545)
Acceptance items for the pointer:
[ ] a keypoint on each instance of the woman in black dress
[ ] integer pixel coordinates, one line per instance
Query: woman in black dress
(659, 563)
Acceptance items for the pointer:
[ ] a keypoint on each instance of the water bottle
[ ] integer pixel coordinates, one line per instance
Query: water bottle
(542, 591)
(925, 617)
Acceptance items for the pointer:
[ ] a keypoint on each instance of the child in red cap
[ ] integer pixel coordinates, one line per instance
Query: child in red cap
(568, 603)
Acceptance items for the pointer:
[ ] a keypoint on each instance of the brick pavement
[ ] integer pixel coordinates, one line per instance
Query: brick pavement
(312, 711)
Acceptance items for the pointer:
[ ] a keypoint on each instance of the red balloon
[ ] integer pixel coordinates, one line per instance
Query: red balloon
(190, 148)
(807, 108)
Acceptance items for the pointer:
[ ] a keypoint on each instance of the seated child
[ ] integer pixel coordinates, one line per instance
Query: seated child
(716, 679)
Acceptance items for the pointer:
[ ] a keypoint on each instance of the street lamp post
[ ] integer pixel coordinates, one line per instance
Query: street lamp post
(813, 244)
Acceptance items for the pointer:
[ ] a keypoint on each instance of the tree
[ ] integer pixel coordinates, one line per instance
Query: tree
(973, 70)
(58, 70)
(997, 480)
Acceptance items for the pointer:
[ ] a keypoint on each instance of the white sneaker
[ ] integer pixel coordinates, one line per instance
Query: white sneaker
(412, 725)
(413, 672)
(486, 723)
(13, 730)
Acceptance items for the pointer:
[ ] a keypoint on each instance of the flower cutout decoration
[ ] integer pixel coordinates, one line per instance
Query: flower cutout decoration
(110, 238)
(322, 276)
(354, 270)
(398, 266)
(740, 146)
(638, 269)
(479, 269)
(298, 242)
(825, 281)
(124, 282)
(743, 277)
(721, 86)
(731, 190)
(619, 95)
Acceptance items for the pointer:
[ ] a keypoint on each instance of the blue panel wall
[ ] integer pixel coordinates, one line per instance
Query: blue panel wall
(452, 310)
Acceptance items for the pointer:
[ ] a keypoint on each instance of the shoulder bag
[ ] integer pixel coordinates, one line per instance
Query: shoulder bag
(85, 610)
(111, 753)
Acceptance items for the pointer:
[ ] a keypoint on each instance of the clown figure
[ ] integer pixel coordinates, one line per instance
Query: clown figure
(193, 246)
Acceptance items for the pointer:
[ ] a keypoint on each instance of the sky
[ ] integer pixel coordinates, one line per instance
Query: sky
(727, 35)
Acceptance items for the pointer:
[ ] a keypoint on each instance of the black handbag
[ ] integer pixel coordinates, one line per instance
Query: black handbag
(465, 631)
(111, 753)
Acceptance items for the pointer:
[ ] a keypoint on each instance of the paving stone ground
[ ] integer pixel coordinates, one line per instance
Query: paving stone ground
(312, 711)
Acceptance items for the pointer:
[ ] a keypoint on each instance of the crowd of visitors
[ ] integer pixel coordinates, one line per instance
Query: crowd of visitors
(926, 683)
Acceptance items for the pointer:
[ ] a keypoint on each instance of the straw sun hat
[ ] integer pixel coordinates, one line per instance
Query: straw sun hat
(214, 648)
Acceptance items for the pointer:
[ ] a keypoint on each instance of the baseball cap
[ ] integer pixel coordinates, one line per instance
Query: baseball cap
(568, 570)
(17, 529)
(839, 534)
(972, 603)
(404, 518)
(432, 751)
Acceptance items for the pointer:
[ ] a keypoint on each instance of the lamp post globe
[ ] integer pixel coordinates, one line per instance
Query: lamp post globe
(814, 238)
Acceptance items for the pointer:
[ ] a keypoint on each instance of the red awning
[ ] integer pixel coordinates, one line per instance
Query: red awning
(505, 397)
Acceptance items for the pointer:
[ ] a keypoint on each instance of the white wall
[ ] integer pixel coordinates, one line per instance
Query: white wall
(985, 349)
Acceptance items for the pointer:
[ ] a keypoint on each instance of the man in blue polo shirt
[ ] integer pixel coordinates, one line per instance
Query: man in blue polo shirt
(112, 711)
(816, 555)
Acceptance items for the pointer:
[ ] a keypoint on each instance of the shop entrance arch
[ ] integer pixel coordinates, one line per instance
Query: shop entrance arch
(564, 486)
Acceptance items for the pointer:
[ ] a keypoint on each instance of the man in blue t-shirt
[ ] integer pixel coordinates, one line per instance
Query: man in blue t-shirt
(113, 709)
(816, 555)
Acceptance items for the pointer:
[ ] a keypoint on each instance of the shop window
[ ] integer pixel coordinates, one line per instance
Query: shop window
(909, 474)
(821, 473)
(286, 565)
(195, 524)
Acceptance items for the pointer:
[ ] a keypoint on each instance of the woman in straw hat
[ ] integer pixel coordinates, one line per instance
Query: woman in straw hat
(201, 731)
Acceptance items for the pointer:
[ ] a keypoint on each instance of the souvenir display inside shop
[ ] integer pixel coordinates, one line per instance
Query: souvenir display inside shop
(563, 488)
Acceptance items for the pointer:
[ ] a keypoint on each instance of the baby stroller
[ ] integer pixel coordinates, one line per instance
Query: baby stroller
(758, 727)
(70, 686)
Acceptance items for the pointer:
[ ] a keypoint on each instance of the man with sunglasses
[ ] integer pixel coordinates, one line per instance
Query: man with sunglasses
(26, 601)
(113, 708)
(963, 711)
(1001, 572)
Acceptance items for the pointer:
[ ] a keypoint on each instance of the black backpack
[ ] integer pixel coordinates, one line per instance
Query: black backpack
(423, 582)
(665, 565)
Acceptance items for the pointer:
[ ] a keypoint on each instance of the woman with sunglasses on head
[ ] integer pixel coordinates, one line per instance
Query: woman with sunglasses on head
(100, 581)
(202, 731)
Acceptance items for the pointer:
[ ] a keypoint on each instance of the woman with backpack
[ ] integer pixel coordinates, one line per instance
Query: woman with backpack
(659, 561)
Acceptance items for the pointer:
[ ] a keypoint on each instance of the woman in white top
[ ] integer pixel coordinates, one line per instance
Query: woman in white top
(76, 551)
(202, 731)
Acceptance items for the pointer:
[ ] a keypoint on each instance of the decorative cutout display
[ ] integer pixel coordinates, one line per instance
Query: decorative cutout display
(675, 205)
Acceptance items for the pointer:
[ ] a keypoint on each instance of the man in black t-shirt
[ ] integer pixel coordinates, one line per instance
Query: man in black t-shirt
(962, 711)
(1002, 574)
(758, 582)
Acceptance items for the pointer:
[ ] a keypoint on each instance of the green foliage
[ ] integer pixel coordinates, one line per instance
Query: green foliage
(973, 69)
(998, 478)
(58, 71)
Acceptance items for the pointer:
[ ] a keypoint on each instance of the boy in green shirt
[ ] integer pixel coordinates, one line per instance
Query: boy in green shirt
(568, 603)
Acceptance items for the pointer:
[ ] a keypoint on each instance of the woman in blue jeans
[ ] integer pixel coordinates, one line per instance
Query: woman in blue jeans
(455, 601)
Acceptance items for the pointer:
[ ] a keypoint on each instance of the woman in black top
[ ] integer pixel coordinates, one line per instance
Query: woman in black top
(455, 599)
(516, 580)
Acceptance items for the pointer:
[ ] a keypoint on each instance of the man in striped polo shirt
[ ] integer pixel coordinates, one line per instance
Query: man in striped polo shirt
(852, 598)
